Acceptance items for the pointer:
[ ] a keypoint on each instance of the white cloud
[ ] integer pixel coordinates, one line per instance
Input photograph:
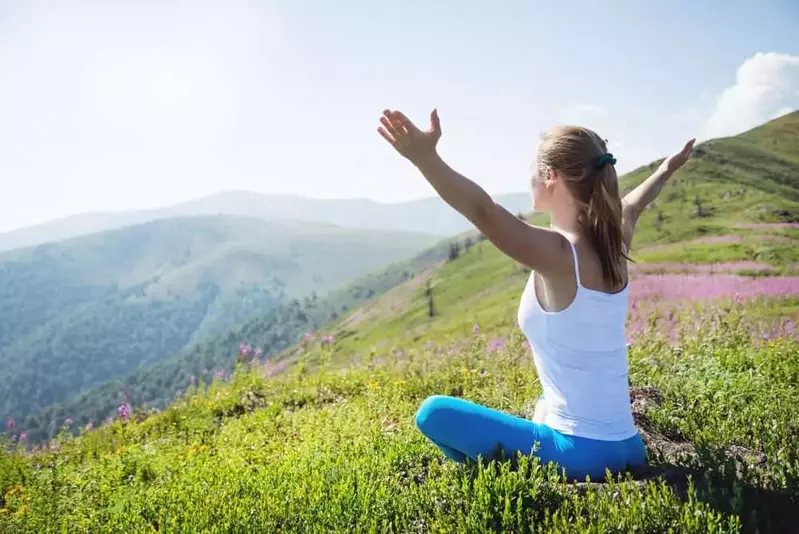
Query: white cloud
(766, 86)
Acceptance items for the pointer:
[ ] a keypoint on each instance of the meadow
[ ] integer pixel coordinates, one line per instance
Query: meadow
(321, 436)
(328, 442)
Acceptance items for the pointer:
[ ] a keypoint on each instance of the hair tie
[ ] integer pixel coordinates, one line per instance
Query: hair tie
(600, 161)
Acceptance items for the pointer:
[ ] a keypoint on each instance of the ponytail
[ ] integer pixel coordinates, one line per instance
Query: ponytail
(580, 157)
(603, 225)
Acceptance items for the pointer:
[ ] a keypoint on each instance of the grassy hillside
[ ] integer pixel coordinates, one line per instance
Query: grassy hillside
(80, 312)
(428, 215)
(322, 438)
(156, 385)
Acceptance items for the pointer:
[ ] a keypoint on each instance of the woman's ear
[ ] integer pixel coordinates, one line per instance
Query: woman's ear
(551, 177)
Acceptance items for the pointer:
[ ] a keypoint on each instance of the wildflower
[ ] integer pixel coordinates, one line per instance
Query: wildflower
(326, 340)
(219, 373)
(475, 328)
(308, 337)
(192, 380)
(258, 353)
(124, 411)
(23, 436)
(428, 345)
(10, 423)
(244, 349)
(496, 344)
(68, 421)
(89, 427)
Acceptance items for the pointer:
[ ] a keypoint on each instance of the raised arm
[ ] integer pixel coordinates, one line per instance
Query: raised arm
(635, 201)
(540, 249)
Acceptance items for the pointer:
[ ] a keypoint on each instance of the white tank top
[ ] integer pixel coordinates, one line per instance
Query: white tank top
(580, 354)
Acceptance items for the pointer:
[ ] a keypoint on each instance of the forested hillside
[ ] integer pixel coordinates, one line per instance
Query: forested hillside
(80, 312)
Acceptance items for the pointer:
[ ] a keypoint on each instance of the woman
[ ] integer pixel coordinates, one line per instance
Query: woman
(573, 308)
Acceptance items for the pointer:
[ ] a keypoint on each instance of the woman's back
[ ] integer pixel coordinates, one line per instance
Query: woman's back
(580, 353)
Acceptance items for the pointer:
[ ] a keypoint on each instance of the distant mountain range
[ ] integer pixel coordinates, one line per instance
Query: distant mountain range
(76, 313)
(428, 215)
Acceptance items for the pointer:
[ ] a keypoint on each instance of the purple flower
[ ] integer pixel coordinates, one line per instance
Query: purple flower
(68, 421)
(308, 337)
(10, 423)
(475, 328)
(258, 353)
(219, 373)
(326, 340)
(496, 344)
(124, 411)
(23, 436)
(89, 427)
(244, 349)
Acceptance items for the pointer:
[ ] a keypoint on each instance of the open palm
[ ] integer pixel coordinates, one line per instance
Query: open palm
(675, 161)
(406, 138)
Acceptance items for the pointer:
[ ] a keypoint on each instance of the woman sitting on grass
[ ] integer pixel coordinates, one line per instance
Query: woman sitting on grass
(573, 308)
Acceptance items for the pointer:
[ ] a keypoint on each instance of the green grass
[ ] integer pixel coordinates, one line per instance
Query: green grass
(773, 253)
(335, 451)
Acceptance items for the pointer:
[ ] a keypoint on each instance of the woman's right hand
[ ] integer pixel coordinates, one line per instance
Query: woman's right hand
(675, 161)
(411, 142)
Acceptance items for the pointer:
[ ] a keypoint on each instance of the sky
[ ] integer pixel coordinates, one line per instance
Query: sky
(121, 105)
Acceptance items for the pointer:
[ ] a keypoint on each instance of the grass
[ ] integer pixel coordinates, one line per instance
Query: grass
(335, 451)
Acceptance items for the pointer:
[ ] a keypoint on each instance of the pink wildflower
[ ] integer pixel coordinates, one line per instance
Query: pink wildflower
(496, 344)
(10, 423)
(68, 421)
(124, 411)
(23, 436)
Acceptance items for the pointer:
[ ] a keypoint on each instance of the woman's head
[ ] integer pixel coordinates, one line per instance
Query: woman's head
(575, 172)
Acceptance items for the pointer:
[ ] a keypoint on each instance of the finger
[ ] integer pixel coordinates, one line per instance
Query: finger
(401, 123)
(390, 128)
(387, 136)
(435, 122)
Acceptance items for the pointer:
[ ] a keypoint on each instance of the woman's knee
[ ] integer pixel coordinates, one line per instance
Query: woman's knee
(429, 411)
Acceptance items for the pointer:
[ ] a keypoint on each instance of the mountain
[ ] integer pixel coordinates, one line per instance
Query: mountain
(82, 311)
(751, 178)
(330, 441)
(428, 215)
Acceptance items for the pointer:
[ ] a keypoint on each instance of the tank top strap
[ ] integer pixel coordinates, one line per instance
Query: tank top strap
(576, 263)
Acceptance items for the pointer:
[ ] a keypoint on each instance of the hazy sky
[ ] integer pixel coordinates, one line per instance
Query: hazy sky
(122, 105)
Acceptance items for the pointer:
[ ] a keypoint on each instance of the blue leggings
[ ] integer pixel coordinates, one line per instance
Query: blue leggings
(463, 429)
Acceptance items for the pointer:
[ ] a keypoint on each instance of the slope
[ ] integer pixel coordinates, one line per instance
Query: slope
(330, 444)
(427, 215)
(482, 287)
(76, 313)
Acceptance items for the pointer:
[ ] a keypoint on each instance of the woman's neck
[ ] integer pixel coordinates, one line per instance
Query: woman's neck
(566, 220)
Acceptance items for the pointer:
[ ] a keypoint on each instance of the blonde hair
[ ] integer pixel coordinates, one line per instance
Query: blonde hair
(580, 157)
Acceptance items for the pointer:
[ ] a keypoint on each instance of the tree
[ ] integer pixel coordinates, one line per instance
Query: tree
(431, 310)
(454, 251)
